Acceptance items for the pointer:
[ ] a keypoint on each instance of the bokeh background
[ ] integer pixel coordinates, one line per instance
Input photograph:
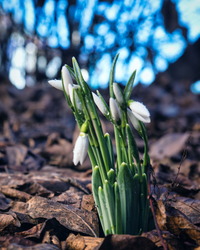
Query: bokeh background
(154, 37)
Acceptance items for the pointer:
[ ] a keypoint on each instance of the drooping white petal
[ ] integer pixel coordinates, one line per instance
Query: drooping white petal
(133, 119)
(56, 84)
(66, 77)
(100, 104)
(118, 93)
(144, 119)
(139, 108)
(80, 149)
(114, 109)
(70, 89)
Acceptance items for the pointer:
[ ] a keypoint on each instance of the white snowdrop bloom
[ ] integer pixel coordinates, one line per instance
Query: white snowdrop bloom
(80, 148)
(100, 104)
(114, 109)
(70, 88)
(133, 119)
(140, 111)
(56, 84)
(66, 77)
(74, 97)
(118, 93)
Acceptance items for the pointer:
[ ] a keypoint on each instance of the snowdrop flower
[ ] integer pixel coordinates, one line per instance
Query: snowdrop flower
(140, 111)
(114, 109)
(56, 84)
(73, 96)
(118, 93)
(66, 77)
(101, 106)
(133, 119)
(81, 148)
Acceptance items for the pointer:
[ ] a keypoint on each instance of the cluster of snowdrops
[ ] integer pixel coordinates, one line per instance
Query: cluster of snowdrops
(119, 172)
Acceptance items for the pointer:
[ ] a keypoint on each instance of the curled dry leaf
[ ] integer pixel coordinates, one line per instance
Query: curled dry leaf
(68, 216)
(4, 202)
(79, 242)
(11, 192)
(168, 145)
(8, 219)
(189, 207)
(177, 223)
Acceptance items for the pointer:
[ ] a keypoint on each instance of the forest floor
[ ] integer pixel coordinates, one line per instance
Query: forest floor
(46, 202)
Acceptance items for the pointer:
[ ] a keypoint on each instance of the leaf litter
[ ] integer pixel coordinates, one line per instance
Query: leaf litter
(46, 202)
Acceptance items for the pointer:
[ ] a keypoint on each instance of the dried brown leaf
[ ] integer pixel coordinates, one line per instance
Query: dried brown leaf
(168, 145)
(4, 202)
(11, 192)
(176, 222)
(126, 242)
(189, 207)
(8, 219)
(78, 242)
(68, 216)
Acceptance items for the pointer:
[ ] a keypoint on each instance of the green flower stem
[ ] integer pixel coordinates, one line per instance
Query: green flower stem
(136, 213)
(102, 144)
(125, 182)
(92, 156)
(145, 203)
(118, 216)
(104, 209)
(146, 160)
(111, 176)
(110, 148)
(109, 197)
(132, 149)
(111, 78)
(118, 147)
(96, 183)
(102, 169)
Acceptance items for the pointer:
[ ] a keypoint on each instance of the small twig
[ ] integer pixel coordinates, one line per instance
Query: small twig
(74, 183)
(184, 155)
(151, 201)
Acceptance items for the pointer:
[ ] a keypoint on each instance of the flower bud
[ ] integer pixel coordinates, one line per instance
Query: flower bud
(114, 109)
(133, 119)
(101, 106)
(56, 84)
(139, 111)
(66, 77)
(118, 93)
(80, 148)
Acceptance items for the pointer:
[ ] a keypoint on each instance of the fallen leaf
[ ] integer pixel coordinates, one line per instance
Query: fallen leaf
(174, 221)
(11, 192)
(4, 202)
(78, 242)
(68, 216)
(8, 219)
(16, 154)
(168, 145)
(189, 207)
(126, 242)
